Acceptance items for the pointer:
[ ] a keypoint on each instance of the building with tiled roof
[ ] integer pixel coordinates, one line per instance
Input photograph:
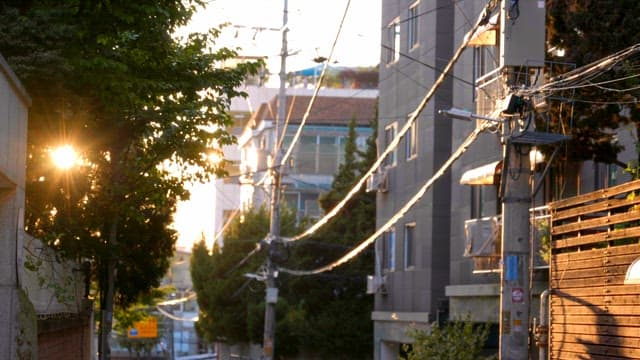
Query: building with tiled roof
(317, 154)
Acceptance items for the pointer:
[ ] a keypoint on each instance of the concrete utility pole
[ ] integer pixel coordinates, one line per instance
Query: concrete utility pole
(514, 281)
(271, 298)
(522, 49)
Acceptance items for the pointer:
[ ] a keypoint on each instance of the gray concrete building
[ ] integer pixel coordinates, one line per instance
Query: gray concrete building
(412, 266)
(428, 266)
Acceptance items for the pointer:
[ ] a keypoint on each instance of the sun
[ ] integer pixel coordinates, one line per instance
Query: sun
(64, 157)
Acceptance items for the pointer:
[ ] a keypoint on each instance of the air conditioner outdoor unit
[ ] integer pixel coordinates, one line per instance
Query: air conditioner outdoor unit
(483, 236)
(377, 181)
(376, 284)
(483, 243)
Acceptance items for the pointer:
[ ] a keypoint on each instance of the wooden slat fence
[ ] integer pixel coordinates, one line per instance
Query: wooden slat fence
(594, 239)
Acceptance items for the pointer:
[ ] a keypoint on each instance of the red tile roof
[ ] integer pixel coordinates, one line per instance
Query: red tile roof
(326, 110)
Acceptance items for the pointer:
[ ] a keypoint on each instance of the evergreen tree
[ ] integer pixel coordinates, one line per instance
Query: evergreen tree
(326, 314)
(337, 310)
(586, 31)
(232, 305)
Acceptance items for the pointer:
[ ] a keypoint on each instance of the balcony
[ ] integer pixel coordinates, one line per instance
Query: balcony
(484, 240)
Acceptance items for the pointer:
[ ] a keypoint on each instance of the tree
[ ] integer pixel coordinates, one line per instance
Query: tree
(583, 31)
(326, 314)
(232, 305)
(460, 340)
(109, 77)
(335, 305)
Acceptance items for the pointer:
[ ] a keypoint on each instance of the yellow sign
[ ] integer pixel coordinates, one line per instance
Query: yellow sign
(144, 329)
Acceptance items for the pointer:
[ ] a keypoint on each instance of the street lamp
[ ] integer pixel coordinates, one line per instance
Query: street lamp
(466, 115)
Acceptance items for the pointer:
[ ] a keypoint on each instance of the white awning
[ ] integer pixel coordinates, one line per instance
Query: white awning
(483, 175)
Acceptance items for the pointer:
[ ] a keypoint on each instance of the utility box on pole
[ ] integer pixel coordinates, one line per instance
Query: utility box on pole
(522, 33)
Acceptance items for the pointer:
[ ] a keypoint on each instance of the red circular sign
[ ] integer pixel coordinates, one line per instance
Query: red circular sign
(517, 295)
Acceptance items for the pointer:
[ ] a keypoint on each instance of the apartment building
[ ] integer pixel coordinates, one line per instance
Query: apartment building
(316, 155)
(442, 259)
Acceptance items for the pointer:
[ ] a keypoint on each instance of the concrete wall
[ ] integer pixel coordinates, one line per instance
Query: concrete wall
(14, 104)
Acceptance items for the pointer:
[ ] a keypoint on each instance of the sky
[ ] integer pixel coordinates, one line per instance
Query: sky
(254, 26)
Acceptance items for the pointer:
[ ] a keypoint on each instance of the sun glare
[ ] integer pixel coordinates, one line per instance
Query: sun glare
(64, 157)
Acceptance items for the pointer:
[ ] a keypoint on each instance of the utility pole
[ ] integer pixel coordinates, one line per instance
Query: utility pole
(515, 254)
(271, 296)
(522, 50)
(106, 320)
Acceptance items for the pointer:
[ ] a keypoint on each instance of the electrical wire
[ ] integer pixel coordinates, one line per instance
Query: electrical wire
(582, 75)
(400, 213)
(244, 259)
(177, 301)
(466, 82)
(396, 140)
(225, 226)
(176, 318)
(598, 84)
(285, 157)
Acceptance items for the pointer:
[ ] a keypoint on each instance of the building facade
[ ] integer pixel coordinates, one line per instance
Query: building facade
(412, 267)
(15, 322)
(428, 266)
(317, 154)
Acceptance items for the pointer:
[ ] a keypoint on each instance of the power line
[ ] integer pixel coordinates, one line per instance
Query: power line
(432, 67)
(174, 317)
(394, 143)
(579, 76)
(284, 159)
(225, 226)
(396, 140)
(400, 213)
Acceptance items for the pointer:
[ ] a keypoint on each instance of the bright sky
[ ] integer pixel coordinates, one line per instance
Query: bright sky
(313, 26)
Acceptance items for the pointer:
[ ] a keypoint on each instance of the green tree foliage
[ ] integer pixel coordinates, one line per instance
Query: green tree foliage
(337, 310)
(325, 314)
(232, 305)
(109, 78)
(588, 31)
(459, 340)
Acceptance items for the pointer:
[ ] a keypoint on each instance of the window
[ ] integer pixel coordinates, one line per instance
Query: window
(306, 155)
(409, 246)
(389, 250)
(317, 154)
(412, 26)
(328, 154)
(476, 201)
(411, 142)
(393, 38)
(389, 135)
(482, 195)
(485, 60)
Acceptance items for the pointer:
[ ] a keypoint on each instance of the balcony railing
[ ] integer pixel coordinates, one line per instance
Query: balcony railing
(484, 240)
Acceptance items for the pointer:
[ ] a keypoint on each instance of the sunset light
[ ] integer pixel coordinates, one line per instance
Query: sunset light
(64, 157)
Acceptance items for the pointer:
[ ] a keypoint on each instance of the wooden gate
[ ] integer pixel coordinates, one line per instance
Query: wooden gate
(594, 312)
